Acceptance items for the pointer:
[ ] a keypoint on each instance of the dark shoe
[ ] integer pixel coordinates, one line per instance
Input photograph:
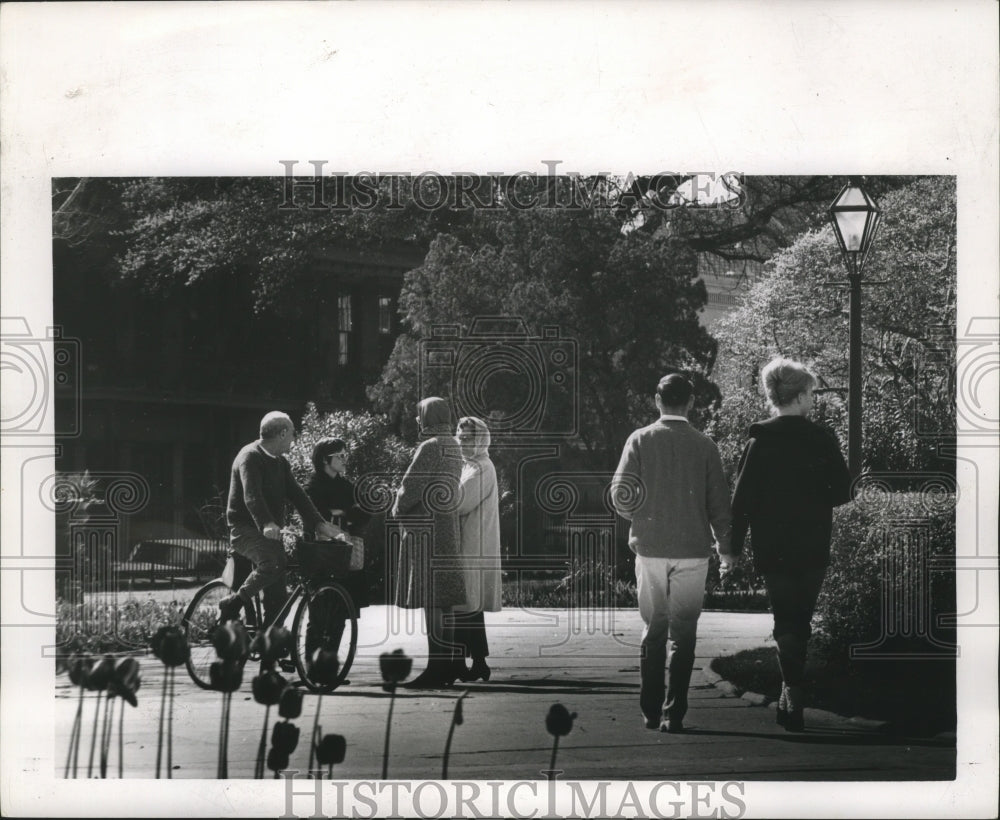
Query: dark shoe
(479, 670)
(230, 608)
(781, 716)
(673, 726)
(651, 723)
(794, 721)
(462, 672)
(288, 665)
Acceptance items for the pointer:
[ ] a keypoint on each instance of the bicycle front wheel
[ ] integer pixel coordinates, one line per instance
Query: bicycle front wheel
(326, 618)
(200, 620)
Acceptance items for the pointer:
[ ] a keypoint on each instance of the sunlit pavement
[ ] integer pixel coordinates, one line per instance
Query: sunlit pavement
(588, 662)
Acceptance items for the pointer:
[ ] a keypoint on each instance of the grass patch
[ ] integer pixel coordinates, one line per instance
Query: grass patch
(916, 696)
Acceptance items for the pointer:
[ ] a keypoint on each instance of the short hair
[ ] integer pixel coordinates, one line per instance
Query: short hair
(274, 424)
(784, 380)
(674, 390)
(324, 448)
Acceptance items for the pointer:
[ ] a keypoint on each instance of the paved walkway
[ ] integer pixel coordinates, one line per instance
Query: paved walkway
(588, 662)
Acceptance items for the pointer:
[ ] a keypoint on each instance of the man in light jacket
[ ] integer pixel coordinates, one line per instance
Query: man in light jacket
(671, 486)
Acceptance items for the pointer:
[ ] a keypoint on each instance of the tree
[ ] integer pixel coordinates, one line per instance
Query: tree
(908, 324)
(577, 271)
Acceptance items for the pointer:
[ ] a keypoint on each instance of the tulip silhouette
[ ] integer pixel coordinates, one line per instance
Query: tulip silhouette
(277, 761)
(272, 644)
(395, 666)
(225, 676)
(284, 739)
(559, 722)
(124, 683)
(457, 719)
(324, 667)
(267, 689)
(231, 641)
(97, 681)
(78, 666)
(290, 705)
(170, 645)
(330, 750)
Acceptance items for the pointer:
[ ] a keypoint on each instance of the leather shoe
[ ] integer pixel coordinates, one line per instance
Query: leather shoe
(651, 723)
(230, 608)
(479, 670)
(794, 721)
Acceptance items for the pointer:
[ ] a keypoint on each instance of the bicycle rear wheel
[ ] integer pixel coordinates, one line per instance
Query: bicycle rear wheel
(200, 620)
(317, 624)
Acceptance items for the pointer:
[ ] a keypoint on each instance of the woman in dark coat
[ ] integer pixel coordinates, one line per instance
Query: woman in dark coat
(791, 476)
(333, 494)
(430, 573)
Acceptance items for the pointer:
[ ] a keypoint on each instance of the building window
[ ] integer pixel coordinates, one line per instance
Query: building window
(384, 315)
(344, 325)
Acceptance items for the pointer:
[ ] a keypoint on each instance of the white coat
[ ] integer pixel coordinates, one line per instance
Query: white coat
(479, 523)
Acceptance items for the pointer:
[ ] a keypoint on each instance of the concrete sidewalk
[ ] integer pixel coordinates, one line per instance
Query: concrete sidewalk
(587, 661)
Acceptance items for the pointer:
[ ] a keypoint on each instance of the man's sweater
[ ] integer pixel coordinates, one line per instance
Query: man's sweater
(671, 486)
(259, 486)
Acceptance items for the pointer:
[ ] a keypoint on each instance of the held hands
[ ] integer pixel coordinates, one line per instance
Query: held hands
(272, 531)
(726, 564)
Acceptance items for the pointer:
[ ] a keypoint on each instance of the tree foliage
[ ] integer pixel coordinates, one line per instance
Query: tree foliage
(627, 301)
(907, 326)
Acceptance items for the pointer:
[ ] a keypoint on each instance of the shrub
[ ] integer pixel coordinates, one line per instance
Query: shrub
(372, 446)
(891, 578)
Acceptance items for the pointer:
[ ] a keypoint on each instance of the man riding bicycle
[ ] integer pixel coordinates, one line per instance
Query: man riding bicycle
(260, 484)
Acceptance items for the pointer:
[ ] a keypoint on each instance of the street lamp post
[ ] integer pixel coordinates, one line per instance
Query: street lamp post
(856, 219)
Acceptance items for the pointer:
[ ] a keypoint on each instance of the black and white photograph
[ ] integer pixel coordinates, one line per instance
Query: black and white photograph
(497, 410)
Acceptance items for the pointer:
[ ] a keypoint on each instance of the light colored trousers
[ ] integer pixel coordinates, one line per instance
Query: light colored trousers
(671, 592)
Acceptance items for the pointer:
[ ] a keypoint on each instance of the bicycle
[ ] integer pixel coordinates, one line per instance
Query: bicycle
(314, 569)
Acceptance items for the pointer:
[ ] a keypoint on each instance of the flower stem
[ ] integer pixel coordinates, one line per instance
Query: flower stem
(258, 771)
(388, 727)
(555, 748)
(121, 741)
(227, 705)
(74, 737)
(109, 713)
(312, 745)
(451, 732)
(93, 739)
(170, 726)
(159, 737)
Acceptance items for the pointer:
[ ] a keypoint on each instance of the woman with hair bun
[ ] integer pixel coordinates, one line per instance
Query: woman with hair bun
(791, 476)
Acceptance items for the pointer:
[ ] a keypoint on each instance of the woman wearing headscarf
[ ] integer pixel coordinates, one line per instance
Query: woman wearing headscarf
(430, 576)
(479, 522)
(791, 476)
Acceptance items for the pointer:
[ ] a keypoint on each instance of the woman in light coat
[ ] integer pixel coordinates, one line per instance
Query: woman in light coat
(479, 520)
(426, 503)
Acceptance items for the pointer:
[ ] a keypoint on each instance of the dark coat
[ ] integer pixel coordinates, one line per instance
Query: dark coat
(430, 573)
(330, 494)
(791, 476)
